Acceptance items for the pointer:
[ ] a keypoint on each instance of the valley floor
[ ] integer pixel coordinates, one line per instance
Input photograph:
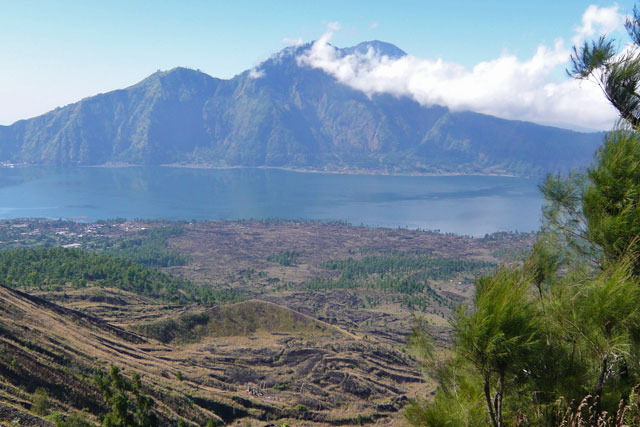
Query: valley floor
(315, 333)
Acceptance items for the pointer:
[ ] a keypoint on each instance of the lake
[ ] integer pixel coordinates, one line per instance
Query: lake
(470, 205)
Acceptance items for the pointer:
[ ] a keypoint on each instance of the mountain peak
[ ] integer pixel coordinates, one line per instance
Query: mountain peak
(178, 72)
(380, 47)
(289, 52)
(287, 56)
(174, 76)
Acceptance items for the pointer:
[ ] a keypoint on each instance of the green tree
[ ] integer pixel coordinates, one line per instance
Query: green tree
(566, 324)
(125, 412)
(500, 336)
(493, 345)
(598, 212)
(605, 210)
(617, 74)
(458, 400)
(77, 419)
(611, 199)
(41, 402)
(604, 313)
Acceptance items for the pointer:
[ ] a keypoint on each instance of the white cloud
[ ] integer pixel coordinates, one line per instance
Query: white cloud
(255, 73)
(293, 42)
(505, 87)
(333, 27)
(597, 21)
(373, 25)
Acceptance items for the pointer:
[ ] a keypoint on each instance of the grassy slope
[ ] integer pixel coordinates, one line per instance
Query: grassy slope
(240, 319)
(56, 348)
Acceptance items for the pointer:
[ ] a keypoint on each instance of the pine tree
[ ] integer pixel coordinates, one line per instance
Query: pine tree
(125, 412)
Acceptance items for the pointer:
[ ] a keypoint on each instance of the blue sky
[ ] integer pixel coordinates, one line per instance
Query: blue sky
(59, 52)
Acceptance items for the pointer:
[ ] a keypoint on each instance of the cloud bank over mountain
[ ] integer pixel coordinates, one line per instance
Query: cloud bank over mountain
(534, 89)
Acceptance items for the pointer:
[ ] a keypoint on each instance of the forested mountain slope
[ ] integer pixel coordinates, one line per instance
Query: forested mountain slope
(285, 114)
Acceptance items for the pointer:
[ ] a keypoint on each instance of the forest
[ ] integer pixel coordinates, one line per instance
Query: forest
(52, 268)
(400, 272)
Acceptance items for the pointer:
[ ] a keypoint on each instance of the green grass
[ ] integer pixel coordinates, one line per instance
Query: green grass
(241, 319)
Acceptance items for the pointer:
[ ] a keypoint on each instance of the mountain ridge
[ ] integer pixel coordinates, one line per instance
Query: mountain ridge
(285, 114)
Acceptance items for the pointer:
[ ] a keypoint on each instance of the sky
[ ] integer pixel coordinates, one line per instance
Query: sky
(502, 58)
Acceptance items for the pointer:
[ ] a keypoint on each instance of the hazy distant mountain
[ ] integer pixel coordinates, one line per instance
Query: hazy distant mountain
(283, 114)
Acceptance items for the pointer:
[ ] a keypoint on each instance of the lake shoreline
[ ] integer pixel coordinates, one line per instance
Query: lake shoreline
(363, 172)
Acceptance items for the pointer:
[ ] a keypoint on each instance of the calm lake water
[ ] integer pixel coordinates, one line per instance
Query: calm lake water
(471, 205)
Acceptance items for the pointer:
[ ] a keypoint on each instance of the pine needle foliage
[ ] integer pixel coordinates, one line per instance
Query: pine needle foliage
(493, 345)
(611, 199)
(500, 336)
(556, 340)
(458, 401)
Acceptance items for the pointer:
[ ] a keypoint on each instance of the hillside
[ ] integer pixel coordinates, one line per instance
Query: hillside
(240, 319)
(286, 115)
(318, 336)
(46, 346)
